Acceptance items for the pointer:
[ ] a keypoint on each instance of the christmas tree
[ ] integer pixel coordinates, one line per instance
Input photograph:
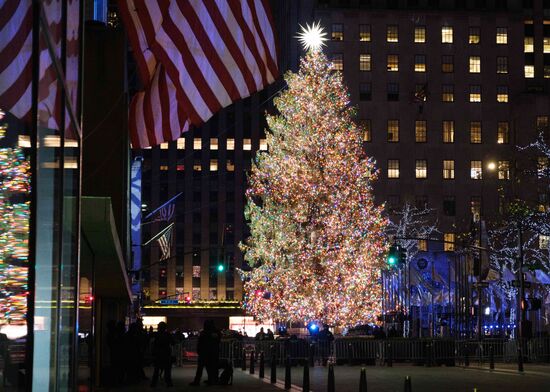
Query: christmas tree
(317, 238)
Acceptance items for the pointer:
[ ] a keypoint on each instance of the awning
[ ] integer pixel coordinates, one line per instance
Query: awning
(101, 237)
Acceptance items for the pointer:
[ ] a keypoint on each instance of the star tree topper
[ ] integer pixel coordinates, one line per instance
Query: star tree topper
(312, 37)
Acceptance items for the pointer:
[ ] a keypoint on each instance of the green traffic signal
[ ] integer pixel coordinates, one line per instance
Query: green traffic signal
(221, 267)
(392, 260)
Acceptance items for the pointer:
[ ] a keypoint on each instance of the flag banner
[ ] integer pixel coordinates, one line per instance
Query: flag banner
(165, 243)
(165, 212)
(194, 58)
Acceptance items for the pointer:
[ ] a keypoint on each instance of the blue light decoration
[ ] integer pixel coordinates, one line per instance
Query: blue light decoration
(313, 328)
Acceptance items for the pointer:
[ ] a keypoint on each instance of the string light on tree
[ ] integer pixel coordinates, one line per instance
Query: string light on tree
(317, 239)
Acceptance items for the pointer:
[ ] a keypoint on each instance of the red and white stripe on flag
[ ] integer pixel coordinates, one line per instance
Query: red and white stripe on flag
(205, 54)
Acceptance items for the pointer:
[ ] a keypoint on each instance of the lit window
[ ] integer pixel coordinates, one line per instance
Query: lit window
(529, 71)
(180, 167)
(422, 245)
(448, 131)
(197, 165)
(197, 143)
(448, 169)
(546, 71)
(365, 126)
(503, 170)
(546, 45)
(230, 166)
(502, 94)
(542, 167)
(164, 146)
(502, 65)
(475, 64)
(474, 37)
(365, 93)
(448, 93)
(449, 244)
(476, 172)
(502, 35)
(421, 170)
(364, 32)
(541, 122)
(163, 167)
(181, 143)
(247, 144)
(420, 94)
(214, 143)
(529, 44)
(475, 132)
(503, 132)
(393, 63)
(447, 64)
(337, 32)
(338, 61)
(475, 93)
(393, 131)
(392, 33)
(475, 207)
(393, 168)
(419, 34)
(24, 141)
(419, 63)
(213, 165)
(364, 62)
(230, 144)
(196, 271)
(544, 240)
(393, 92)
(447, 35)
(263, 145)
(420, 131)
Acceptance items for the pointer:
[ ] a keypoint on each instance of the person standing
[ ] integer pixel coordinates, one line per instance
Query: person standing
(208, 349)
(162, 355)
(325, 342)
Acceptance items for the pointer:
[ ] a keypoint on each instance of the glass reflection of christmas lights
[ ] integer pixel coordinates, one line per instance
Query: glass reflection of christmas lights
(14, 233)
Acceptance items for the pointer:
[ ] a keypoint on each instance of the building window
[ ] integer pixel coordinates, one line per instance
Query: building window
(230, 166)
(364, 33)
(476, 172)
(502, 35)
(546, 45)
(393, 131)
(449, 244)
(421, 168)
(503, 136)
(392, 33)
(529, 71)
(503, 170)
(448, 169)
(421, 202)
(420, 131)
(338, 61)
(419, 34)
(263, 145)
(364, 62)
(447, 64)
(337, 32)
(448, 93)
(541, 122)
(214, 143)
(213, 165)
(197, 143)
(475, 64)
(247, 144)
(422, 245)
(420, 93)
(164, 146)
(475, 93)
(449, 206)
(474, 37)
(446, 35)
(393, 168)
(475, 132)
(197, 165)
(546, 71)
(502, 94)
(475, 207)
(393, 92)
(365, 126)
(180, 144)
(502, 65)
(163, 167)
(544, 241)
(365, 93)
(529, 44)
(230, 144)
(419, 63)
(448, 131)
(542, 167)
(393, 63)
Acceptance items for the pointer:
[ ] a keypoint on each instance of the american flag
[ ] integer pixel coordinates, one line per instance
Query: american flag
(194, 58)
(165, 243)
(16, 24)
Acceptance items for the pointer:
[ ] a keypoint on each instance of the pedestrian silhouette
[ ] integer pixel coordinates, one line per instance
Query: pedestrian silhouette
(162, 355)
(260, 335)
(208, 350)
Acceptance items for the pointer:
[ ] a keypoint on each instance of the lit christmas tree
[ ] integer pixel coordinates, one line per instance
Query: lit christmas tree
(14, 233)
(317, 238)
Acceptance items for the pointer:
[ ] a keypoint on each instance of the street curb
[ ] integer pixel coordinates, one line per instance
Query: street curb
(280, 384)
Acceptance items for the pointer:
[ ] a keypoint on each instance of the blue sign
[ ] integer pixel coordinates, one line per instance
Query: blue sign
(169, 302)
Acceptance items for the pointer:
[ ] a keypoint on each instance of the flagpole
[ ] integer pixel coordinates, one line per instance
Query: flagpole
(162, 206)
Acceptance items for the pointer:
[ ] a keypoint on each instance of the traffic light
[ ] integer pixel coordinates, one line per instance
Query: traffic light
(397, 256)
(220, 267)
